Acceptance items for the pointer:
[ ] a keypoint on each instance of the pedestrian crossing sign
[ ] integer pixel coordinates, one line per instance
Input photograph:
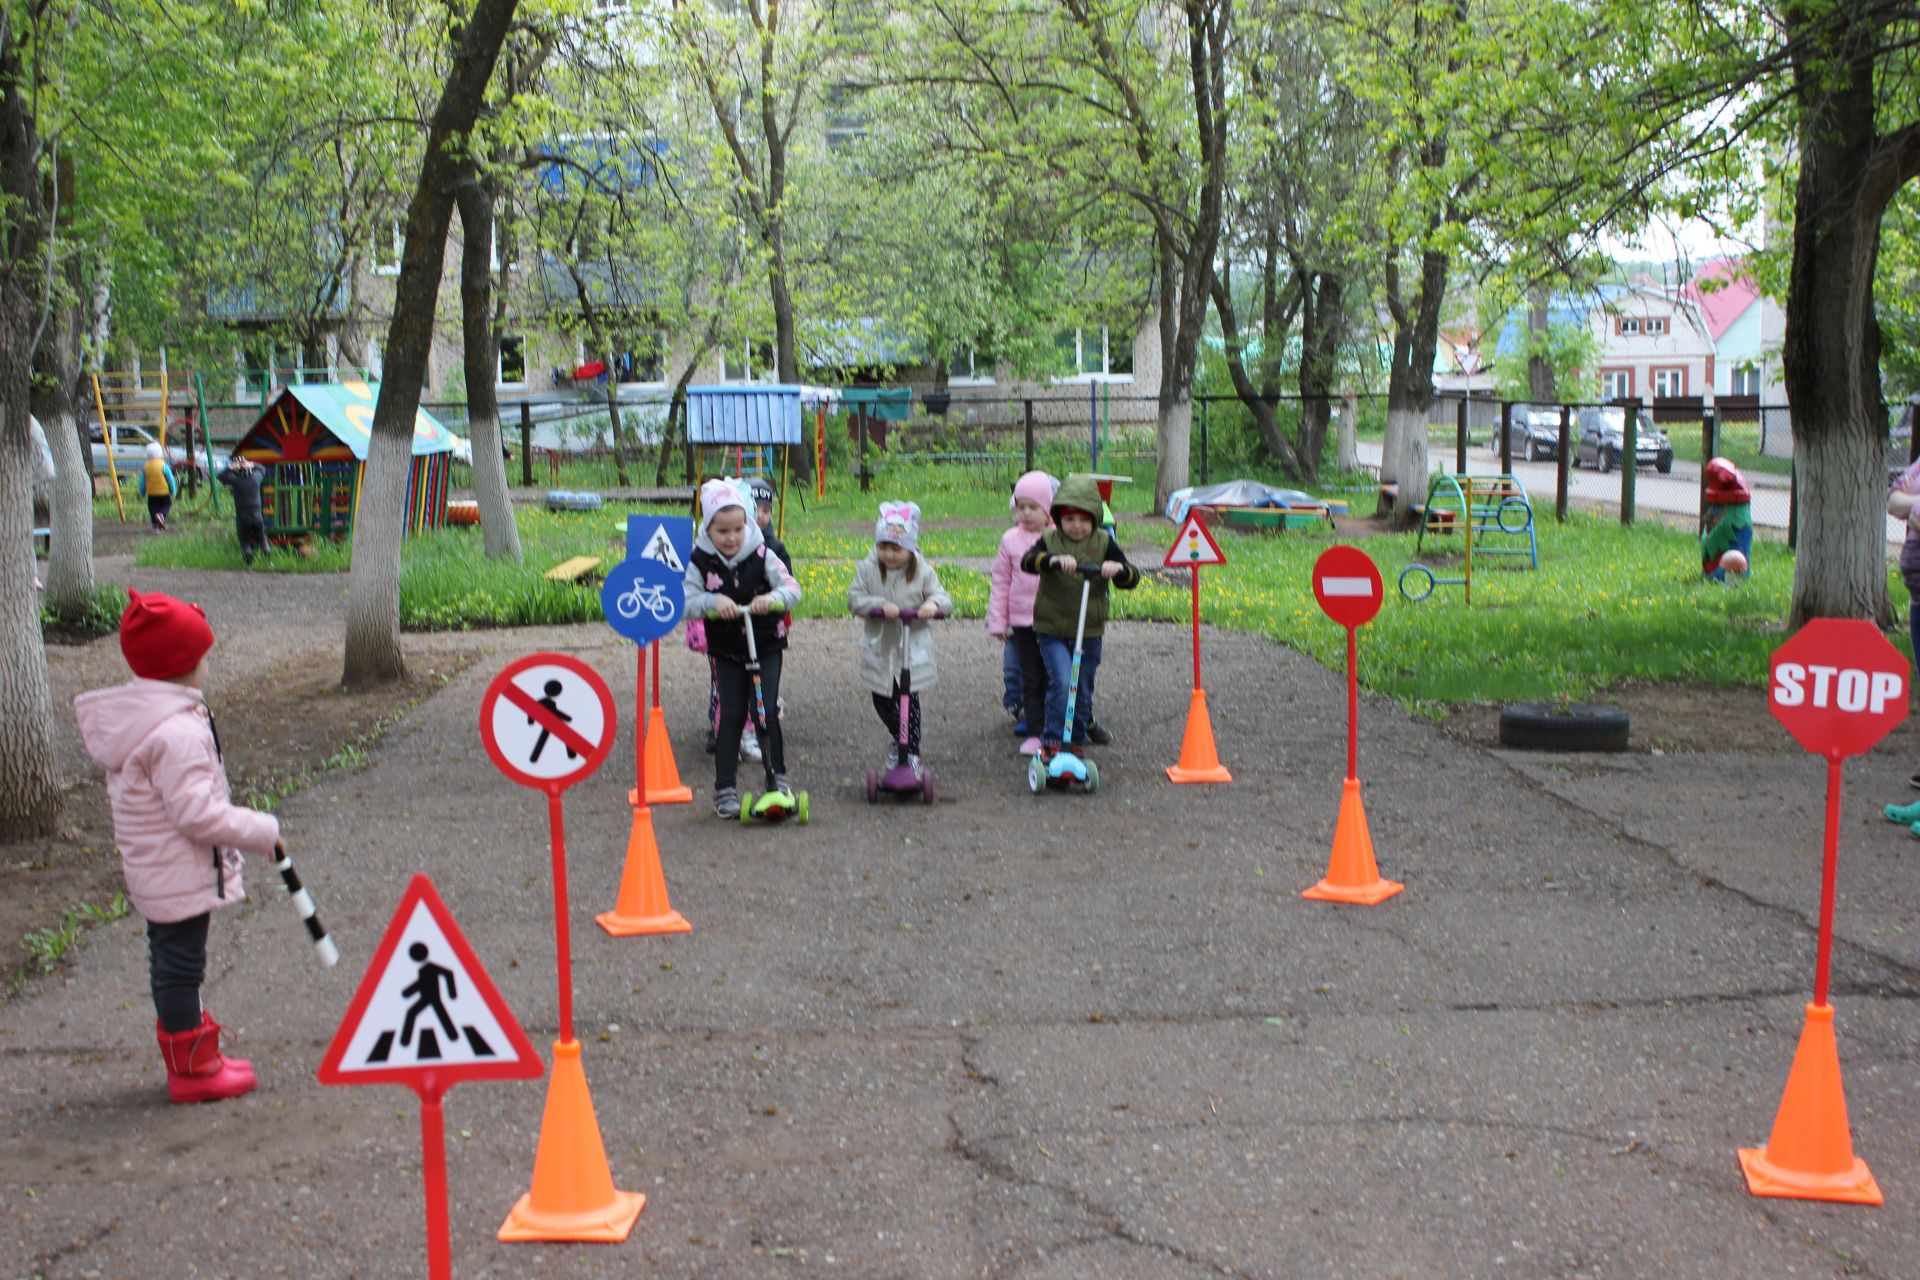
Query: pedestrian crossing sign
(668, 539)
(425, 1014)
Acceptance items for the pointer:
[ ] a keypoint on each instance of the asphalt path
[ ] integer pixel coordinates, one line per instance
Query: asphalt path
(1048, 1037)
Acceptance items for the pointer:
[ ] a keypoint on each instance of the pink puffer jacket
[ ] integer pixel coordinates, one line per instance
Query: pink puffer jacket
(178, 830)
(1010, 598)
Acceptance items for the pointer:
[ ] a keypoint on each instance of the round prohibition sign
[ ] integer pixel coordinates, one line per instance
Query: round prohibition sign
(547, 721)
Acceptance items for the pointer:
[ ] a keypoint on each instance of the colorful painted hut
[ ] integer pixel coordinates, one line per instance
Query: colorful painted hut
(313, 442)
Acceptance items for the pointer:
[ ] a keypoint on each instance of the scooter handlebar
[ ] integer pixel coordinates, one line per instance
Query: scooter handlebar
(909, 615)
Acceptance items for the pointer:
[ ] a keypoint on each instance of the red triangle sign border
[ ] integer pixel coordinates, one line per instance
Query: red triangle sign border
(519, 1062)
(1193, 521)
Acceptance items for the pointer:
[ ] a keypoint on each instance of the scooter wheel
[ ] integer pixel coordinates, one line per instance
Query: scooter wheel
(746, 808)
(926, 786)
(1036, 775)
(1093, 777)
(800, 807)
(873, 787)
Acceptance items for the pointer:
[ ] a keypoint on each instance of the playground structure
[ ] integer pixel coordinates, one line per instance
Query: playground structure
(313, 440)
(1492, 510)
(749, 421)
(131, 399)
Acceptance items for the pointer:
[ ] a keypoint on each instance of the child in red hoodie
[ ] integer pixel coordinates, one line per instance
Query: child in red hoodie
(179, 832)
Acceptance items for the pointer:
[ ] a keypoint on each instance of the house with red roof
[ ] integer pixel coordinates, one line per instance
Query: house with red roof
(1747, 329)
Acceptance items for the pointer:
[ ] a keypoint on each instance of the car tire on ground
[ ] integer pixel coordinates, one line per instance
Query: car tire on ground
(1664, 466)
(1572, 726)
(1606, 461)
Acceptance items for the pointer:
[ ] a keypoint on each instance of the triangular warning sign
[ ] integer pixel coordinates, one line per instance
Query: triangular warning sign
(426, 1007)
(661, 549)
(1194, 546)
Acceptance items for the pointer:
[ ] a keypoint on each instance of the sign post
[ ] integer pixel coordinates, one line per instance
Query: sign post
(1347, 584)
(427, 1019)
(669, 540)
(1838, 687)
(1199, 759)
(642, 599)
(547, 721)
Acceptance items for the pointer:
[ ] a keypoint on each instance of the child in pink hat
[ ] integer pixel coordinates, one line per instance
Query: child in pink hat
(179, 832)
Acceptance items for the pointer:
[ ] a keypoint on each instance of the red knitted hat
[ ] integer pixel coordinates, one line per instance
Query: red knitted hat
(163, 637)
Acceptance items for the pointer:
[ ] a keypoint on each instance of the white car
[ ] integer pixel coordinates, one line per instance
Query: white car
(130, 452)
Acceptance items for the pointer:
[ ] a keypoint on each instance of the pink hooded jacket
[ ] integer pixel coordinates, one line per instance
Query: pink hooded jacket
(1011, 595)
(178, 830)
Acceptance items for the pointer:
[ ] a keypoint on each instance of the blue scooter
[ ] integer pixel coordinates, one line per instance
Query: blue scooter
(1066, 769)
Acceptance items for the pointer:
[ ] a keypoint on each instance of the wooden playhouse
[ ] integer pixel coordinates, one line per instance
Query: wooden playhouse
(313, 442)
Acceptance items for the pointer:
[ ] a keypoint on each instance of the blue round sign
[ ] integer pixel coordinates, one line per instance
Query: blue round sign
(642, 599)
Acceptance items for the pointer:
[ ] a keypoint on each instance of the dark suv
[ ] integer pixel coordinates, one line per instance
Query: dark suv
(1603, 435)
(1535, 430)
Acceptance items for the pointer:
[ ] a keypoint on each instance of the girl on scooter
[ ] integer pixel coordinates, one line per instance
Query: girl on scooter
(898, 582)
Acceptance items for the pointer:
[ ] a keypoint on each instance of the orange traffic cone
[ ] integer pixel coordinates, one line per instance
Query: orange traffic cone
(1199, 762)
(1810, 1153)
(1352, 875)
(573, 1196)
(663, 775)
(642, 906)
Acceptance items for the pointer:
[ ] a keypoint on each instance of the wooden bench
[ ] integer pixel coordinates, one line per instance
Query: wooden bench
(579, 570)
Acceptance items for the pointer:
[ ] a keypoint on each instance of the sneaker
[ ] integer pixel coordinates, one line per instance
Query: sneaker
(726, 803)
(783, 784)
(1019, 725)
(913, 763)
(749, 746)
(1031, 747)
(893, 758)
(1914, 781)
(1097, 734)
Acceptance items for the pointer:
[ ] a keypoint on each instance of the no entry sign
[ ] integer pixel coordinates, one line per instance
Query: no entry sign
(547, 720)
(1347, 584)
(1838, 686)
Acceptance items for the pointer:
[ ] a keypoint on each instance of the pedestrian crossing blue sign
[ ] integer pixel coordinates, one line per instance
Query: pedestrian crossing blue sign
(668, 539)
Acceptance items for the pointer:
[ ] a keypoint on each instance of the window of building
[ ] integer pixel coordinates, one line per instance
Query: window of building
(747, 362)
(1616, 384)
(1626, 326)
(644, 360)
(1744, 381)
(386, 258)
(970, 368)
(846, 122)
(1669, 382)
(1656, 325)
(513, 360)
(1092, 353)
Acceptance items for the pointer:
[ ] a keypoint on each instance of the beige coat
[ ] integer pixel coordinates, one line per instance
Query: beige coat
(880, 641)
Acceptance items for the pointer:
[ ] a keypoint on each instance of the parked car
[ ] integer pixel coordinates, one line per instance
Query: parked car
(1603, 435)
(130, 453)
(1536, 433)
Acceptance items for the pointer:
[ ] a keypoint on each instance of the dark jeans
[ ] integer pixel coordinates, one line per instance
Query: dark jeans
(736, 705)
(1012, 696)
(157, 511)
(176, 964)
(253, 535)
(888, 709)
(1057, 653)
(1033, 680)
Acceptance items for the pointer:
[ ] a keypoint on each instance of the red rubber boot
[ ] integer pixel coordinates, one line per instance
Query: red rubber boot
(195, 1070)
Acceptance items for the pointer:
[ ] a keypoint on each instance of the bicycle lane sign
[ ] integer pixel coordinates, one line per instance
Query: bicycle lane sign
(642, 599)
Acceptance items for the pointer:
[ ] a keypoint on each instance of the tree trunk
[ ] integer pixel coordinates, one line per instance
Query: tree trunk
(1322, 325)
(1539, 368)
(1832, 349)
(69, 576)
(1347, 442)
(380, 522)
(29, 776)
(1173, 442)
(676, 414)
(613, 421)
(499, 534)
(1416, 336)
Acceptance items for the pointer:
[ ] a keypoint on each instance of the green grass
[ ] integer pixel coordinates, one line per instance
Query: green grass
(99, 616)
(1607, 605)
(1739, 443)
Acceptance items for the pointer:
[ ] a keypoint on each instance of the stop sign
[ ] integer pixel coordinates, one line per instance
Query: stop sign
(1838, 686)
(1346, 582)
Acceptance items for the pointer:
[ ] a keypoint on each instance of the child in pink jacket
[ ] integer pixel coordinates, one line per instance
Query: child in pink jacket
(179, 833)
(1010, 600)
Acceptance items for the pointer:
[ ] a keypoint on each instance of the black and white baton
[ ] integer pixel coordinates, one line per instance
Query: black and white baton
(329, 954)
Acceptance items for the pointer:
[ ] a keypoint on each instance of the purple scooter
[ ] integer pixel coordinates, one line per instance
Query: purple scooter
(900, 779)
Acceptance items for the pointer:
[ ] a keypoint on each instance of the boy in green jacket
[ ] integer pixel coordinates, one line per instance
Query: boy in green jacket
(1075, 540)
